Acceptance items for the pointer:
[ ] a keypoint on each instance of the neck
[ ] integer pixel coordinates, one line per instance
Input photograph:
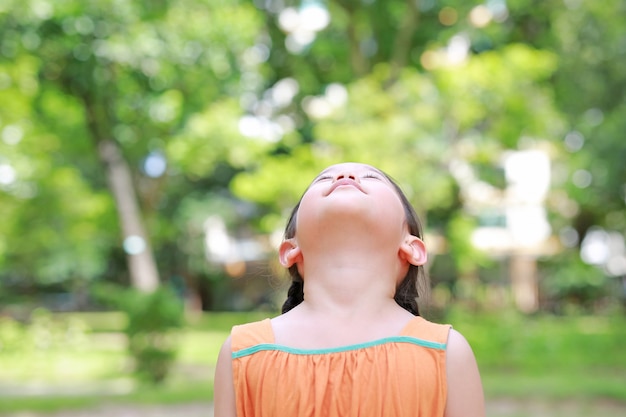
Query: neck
(349, 284)
(350, 266)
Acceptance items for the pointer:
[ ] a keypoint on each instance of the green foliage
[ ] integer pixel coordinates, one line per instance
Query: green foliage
(224, 321)
(574, 284)
(77, 73)
(152, 342)
(501, 95)
(12, 336)
(466, 257)
(211, 138)
(511, 340)
(153, 319)
(546, 356)
(43, 333)
(98, 321)
(273, 184)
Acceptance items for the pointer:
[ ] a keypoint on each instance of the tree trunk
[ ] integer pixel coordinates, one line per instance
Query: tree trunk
(141, 264)
(403, 43)
(524, 282)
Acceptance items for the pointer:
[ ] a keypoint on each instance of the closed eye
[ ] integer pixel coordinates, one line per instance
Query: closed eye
(373, 175)
(323, 178)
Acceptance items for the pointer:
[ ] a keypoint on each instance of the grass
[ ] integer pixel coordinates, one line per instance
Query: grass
(546, 358)
(99, 373)
(557, 386)
(47, 404)
(95, 370)
(176, 393)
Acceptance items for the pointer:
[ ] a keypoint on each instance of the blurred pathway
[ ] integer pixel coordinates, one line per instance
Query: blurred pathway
(130, 410)
(562, 408)
(495, 408)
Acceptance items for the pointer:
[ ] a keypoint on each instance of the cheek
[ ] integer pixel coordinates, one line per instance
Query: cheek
(306, 216)
(393, 209)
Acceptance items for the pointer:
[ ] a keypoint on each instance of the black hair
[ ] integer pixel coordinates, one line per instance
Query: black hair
(407, 290)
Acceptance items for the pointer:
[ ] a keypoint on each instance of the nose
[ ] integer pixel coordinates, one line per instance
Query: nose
(347, 175)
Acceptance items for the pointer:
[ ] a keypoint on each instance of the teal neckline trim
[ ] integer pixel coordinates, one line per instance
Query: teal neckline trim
(295, 351)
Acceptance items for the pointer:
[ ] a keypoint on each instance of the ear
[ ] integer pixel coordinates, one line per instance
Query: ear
(413, 250)
(289, 253)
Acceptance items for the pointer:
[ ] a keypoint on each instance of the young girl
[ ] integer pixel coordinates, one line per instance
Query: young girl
(350, 341)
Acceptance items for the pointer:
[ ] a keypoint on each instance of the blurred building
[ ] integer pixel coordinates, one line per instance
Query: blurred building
(513, 223)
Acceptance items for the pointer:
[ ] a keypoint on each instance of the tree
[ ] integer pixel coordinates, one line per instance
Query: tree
(461, 82)
(109, 84)
(471, 108)
(237, 97)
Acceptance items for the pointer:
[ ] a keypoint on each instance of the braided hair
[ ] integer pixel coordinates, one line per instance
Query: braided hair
(407, 291)
(295, 294)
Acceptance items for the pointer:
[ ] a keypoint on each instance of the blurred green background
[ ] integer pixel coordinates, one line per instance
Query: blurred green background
(151, 149)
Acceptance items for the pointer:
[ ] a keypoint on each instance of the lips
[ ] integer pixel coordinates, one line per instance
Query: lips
(343, 182)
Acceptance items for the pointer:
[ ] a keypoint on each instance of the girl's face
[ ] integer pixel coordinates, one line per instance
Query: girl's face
(349, 191)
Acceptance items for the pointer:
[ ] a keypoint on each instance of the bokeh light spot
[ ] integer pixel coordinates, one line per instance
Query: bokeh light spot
(12, 134)
(7, 174)
(574, 141)
(582, 178)
(134, 245)
(155, 165)
(480, 16)
(448, 16)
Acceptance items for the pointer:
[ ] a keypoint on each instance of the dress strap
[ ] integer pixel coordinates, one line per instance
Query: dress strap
(250, 334)
(421, 328)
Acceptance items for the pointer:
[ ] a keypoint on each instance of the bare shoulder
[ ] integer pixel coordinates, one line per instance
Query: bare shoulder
(458, 347)
(224, 392)
(465, 391)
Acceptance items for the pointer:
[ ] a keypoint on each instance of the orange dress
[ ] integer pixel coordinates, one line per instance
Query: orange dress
(398, 376)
